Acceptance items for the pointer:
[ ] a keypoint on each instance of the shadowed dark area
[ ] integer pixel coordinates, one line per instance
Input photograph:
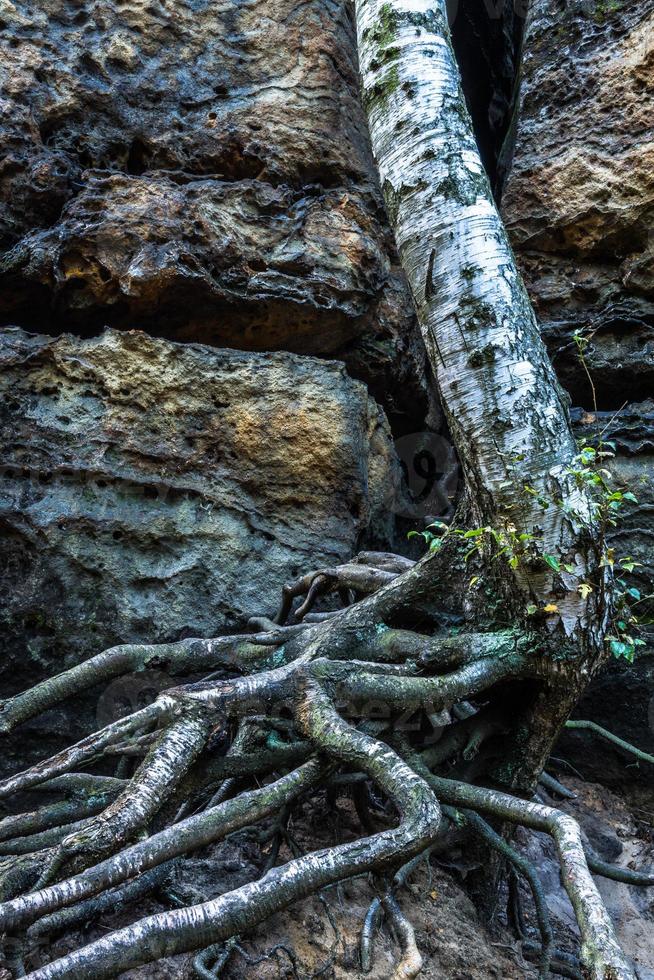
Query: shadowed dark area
(487, 36)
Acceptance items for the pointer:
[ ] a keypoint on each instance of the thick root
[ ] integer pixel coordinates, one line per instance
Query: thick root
(331, 696)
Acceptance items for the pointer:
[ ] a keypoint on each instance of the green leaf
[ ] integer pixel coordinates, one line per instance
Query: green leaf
(634, 593)
(570, 568)
(630, 497)
(618, 648)
(553, 562)
(435, 544)
(532, 609)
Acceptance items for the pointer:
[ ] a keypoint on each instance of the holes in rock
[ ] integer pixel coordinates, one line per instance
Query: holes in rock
(355, 509)
(75, 284)
(257, 265)
(137, 158)
(85, 159)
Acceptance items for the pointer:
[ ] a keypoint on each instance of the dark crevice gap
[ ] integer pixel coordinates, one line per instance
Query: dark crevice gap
(487, 37)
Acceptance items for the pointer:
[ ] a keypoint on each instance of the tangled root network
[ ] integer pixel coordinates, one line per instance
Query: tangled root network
(288, 709)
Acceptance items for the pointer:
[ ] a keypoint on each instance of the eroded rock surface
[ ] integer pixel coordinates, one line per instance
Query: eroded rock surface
(579, 206)
(200, 170)
(152, 490)
(579, 203)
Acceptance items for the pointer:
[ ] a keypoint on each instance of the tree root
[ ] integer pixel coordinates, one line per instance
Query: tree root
(638, 879)
(108, 901)
(561, 963)
(365, 574)
(552, 785)
(595, 729)
(600, 951)
(348, 695)
(210, 962)
(379, 905)
(411, 963)
(529, 871)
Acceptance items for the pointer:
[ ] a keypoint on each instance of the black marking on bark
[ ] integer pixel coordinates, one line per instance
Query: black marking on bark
(429, 284)
(463, 338)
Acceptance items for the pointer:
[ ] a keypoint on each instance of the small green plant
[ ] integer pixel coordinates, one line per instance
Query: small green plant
(599, 508)
(604, 504)
(508, 542)
(604, 9)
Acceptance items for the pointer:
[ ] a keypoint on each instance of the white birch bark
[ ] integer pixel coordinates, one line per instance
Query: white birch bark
(506, 410)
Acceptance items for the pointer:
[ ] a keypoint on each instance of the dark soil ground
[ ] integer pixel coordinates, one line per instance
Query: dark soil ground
(321, 935)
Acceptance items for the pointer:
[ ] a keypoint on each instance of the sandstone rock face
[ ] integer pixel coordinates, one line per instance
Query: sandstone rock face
(579, 205)
(632, 433)
(201, 171)
(151, 490)
(623, 698)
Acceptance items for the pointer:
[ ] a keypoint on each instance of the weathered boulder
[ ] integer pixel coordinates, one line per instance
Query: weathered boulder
(151, 490)
(223, 261)
(579, 202)
(579, 205)
(201, 171)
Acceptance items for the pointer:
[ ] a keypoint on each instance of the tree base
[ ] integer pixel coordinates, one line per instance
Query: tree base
(349, 695)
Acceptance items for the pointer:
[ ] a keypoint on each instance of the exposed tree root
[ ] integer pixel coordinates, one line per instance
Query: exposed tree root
(349, 695)
(361, 692)
(553, 786)
(561, 963)
(527, 869)
(595, 729)
(380, 905)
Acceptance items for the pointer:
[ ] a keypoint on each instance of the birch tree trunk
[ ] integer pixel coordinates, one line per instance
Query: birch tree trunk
(507, 412)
